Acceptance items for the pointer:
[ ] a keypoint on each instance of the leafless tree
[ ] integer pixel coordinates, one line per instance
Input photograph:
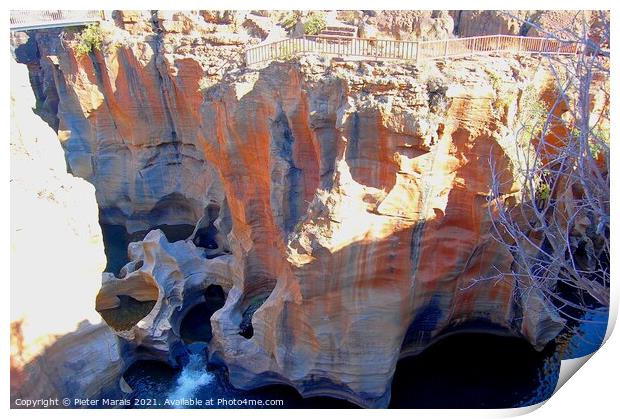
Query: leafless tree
(557, 225)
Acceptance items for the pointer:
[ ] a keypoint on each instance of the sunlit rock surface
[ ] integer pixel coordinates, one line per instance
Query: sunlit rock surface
(341, 206)
(59, 345)
(173, 277)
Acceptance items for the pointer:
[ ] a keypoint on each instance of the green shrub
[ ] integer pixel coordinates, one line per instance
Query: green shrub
(289, 21)
(543, 191)
(496, 80)
(503, 98)
(315, 24)
(89, 40)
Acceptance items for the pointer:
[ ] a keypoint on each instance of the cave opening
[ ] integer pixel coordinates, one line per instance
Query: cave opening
(475, 365)
(208, 236)
(115, 241)
(205, 237)
(174, 214)
(116, 238)
(196, 325)
(173, 232)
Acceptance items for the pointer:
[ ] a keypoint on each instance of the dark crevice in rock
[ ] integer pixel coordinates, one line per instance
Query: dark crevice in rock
(130, 267)
(467, 368)
(115, 241)
(257, 293)
(246, 329)
(205, 237)
(423, 325)
(286, 178)
(208, 236)
(41, 79)
(196, 325)
(116, 238)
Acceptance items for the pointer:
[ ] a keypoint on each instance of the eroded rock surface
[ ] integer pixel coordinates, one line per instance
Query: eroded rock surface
(342, 207)
(174, 278)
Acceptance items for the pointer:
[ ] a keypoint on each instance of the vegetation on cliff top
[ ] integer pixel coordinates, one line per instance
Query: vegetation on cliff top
(89, 40)
(315, 24)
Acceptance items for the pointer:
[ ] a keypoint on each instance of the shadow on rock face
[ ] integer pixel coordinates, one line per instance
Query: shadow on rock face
(208, 235)
(475, 370)
(116, 238)
(123, 303)
(127, 314)
(196, 325)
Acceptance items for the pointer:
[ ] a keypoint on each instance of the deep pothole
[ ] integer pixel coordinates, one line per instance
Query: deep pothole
(196, 325)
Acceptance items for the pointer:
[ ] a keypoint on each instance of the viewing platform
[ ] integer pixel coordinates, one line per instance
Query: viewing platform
(387, 49)
(24, 20)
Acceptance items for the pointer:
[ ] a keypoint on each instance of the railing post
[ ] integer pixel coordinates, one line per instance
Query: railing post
(445, 50)
(417, 51)
(520, 44)
(497, 43)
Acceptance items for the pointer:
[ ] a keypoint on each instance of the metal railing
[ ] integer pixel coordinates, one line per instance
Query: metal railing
(407, 50)
(38, 19)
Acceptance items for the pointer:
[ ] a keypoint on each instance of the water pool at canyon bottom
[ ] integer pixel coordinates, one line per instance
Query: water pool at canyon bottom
(465, 370)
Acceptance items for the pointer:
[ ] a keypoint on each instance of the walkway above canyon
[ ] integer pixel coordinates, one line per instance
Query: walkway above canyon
(386, 49)
(24, 20)
(337, 42)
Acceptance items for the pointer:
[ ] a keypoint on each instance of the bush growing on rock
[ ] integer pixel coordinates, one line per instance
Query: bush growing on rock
(290, 21)
(89, 40)
(315, 24)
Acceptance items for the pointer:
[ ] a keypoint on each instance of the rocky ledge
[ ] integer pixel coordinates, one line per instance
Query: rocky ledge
(341, 206)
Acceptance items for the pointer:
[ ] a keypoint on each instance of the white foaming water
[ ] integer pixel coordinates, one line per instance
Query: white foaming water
(193, 376)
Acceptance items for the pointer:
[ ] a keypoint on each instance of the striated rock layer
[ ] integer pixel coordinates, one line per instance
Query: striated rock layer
(342, 207)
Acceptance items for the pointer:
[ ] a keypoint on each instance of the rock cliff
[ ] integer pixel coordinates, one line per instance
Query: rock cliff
(341, 206)
(60, 347)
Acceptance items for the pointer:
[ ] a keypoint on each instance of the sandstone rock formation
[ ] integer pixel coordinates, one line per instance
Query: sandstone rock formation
(174, 276)
(342, 207)
(59, 345)
(421, 25)
(562, 24)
